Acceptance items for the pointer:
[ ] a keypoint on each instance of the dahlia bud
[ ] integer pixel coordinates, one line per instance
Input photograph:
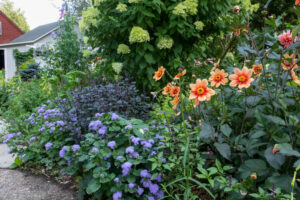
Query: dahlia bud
(236, 9)
(275, 149)
(253, 176)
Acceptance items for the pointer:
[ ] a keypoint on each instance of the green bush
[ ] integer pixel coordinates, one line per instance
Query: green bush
(254, 128)
(114, 158)
(21, 99)
(144, 35)
(66, 53)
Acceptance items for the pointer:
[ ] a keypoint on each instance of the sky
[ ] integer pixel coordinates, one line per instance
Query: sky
(39, 12)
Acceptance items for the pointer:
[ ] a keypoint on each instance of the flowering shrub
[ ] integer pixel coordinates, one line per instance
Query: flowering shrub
(112, 161)
(156, 32)
(246, 115)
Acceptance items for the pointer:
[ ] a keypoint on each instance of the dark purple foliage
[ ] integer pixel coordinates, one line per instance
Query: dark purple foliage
(122, 98)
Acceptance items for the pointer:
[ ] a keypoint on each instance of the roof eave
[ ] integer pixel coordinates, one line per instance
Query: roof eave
(29, 42)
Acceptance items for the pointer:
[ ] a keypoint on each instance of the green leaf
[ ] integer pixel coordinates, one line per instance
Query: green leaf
(253, 165)
(18, 161)
(282, 181)
(275, 119)
(253, 100)
(149, 58)
(224, 150)
(296, 164)
(258, 134)
(294, 46)
(226, 130)
(93, 186)
(206, 130)
(274, 56)
(256, 164)
(275, 160)
(286, 149)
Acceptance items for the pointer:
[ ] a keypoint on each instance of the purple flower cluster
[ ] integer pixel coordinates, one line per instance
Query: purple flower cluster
(31, 118)
(48, 146)
(51, 113)
(95, 125)
(117, 195)
(32, 139)
(63, 151)
(102, 130)
(146, 144)
(153, 188)
(98, 126)
(95, 149)
(131, 185)
(129, 126)
(135, 140)
(116, 180)
(111, 144)
(130, 150)
(75, 147)
(114, 116)
(9, 137)
(126, 168)
(119, 158)
(99, 114)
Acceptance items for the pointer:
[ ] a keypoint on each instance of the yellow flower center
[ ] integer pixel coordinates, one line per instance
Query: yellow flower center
(218, 77)
(242, 78)
(200, 91)
(159, 73)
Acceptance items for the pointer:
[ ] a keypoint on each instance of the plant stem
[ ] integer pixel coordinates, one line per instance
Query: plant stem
(278, 74)
(245, 113)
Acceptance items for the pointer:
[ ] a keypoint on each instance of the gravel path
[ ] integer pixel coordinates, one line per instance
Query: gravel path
(17, 185)
(22, 185)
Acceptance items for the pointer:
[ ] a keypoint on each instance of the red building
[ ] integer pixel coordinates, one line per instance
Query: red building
(8, 29)
(8, 32)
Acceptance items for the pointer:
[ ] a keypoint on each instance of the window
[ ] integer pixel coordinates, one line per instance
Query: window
(0, 28)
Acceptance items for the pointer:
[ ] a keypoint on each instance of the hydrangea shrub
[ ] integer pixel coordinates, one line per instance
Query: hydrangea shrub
(158, 33)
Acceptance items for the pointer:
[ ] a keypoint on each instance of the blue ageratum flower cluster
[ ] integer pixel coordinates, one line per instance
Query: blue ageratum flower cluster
(117, 151)
(126, 147)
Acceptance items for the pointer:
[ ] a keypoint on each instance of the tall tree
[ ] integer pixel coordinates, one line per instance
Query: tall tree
(77, 6)
(14, 14)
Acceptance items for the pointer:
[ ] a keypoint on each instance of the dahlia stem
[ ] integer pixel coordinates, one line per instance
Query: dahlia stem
(245, 113)
(278, 78)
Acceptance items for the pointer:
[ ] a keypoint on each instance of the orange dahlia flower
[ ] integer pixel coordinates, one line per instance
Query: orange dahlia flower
(218, 77)
(297, 2)
(242, 78)
(174, 92)
(180, 74)
(286, 65)
(175, 102)
(236, 31)
(257, 69)
(167, 89)
(160, 72)
(200, 91)
(295, 77)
